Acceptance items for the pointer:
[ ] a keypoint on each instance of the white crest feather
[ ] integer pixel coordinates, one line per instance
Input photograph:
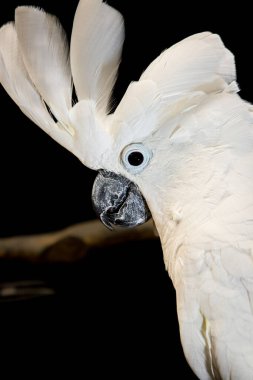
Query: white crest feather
(198, 63)
(136, 116)
(16, 81)
(96, 44)
(46, 56)
(91, 139)
(176, 82)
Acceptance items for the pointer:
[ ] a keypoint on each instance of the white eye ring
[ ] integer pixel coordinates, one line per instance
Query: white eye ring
(135, 157)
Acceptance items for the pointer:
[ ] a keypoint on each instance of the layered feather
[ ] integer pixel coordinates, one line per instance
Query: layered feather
(46, 56)
(17, 82)
(136, 116)
(96, 44)
(35, 71)
(198, 63)
(176, 82)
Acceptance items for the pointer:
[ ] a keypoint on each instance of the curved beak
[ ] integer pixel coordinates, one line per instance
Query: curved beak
(118, 201)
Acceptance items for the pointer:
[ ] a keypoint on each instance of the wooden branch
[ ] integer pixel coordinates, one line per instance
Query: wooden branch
(72, 243)
(23, 290)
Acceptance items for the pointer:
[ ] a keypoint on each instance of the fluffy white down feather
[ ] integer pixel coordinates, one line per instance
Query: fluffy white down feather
(186, 110)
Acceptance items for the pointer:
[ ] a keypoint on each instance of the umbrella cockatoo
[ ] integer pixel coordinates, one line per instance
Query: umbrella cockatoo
(179, 146)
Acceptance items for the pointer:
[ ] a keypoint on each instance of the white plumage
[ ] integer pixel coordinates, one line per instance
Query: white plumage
(17, 82)
(96, 45)
(44, 48)
(198, 181)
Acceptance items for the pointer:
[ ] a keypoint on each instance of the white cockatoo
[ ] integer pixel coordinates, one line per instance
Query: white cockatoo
(179, 146)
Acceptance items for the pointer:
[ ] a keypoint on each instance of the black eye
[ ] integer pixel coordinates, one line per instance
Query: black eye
(135, 158)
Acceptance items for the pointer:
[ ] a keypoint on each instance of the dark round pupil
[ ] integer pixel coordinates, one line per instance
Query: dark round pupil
(135, 158)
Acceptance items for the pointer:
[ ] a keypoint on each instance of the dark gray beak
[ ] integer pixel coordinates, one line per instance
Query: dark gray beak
(118, 201)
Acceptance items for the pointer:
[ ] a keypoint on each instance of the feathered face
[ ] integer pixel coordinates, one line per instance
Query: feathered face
(146, 135)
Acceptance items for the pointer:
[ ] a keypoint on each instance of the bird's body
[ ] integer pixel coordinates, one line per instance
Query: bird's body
(202, 205)
(180, 142)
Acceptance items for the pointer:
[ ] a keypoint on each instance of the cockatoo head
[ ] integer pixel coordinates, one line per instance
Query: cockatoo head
(144, 146)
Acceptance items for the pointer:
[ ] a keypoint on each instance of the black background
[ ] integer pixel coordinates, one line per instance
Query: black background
(119, 308)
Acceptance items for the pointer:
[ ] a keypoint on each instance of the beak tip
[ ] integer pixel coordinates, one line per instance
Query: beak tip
(105, 221)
